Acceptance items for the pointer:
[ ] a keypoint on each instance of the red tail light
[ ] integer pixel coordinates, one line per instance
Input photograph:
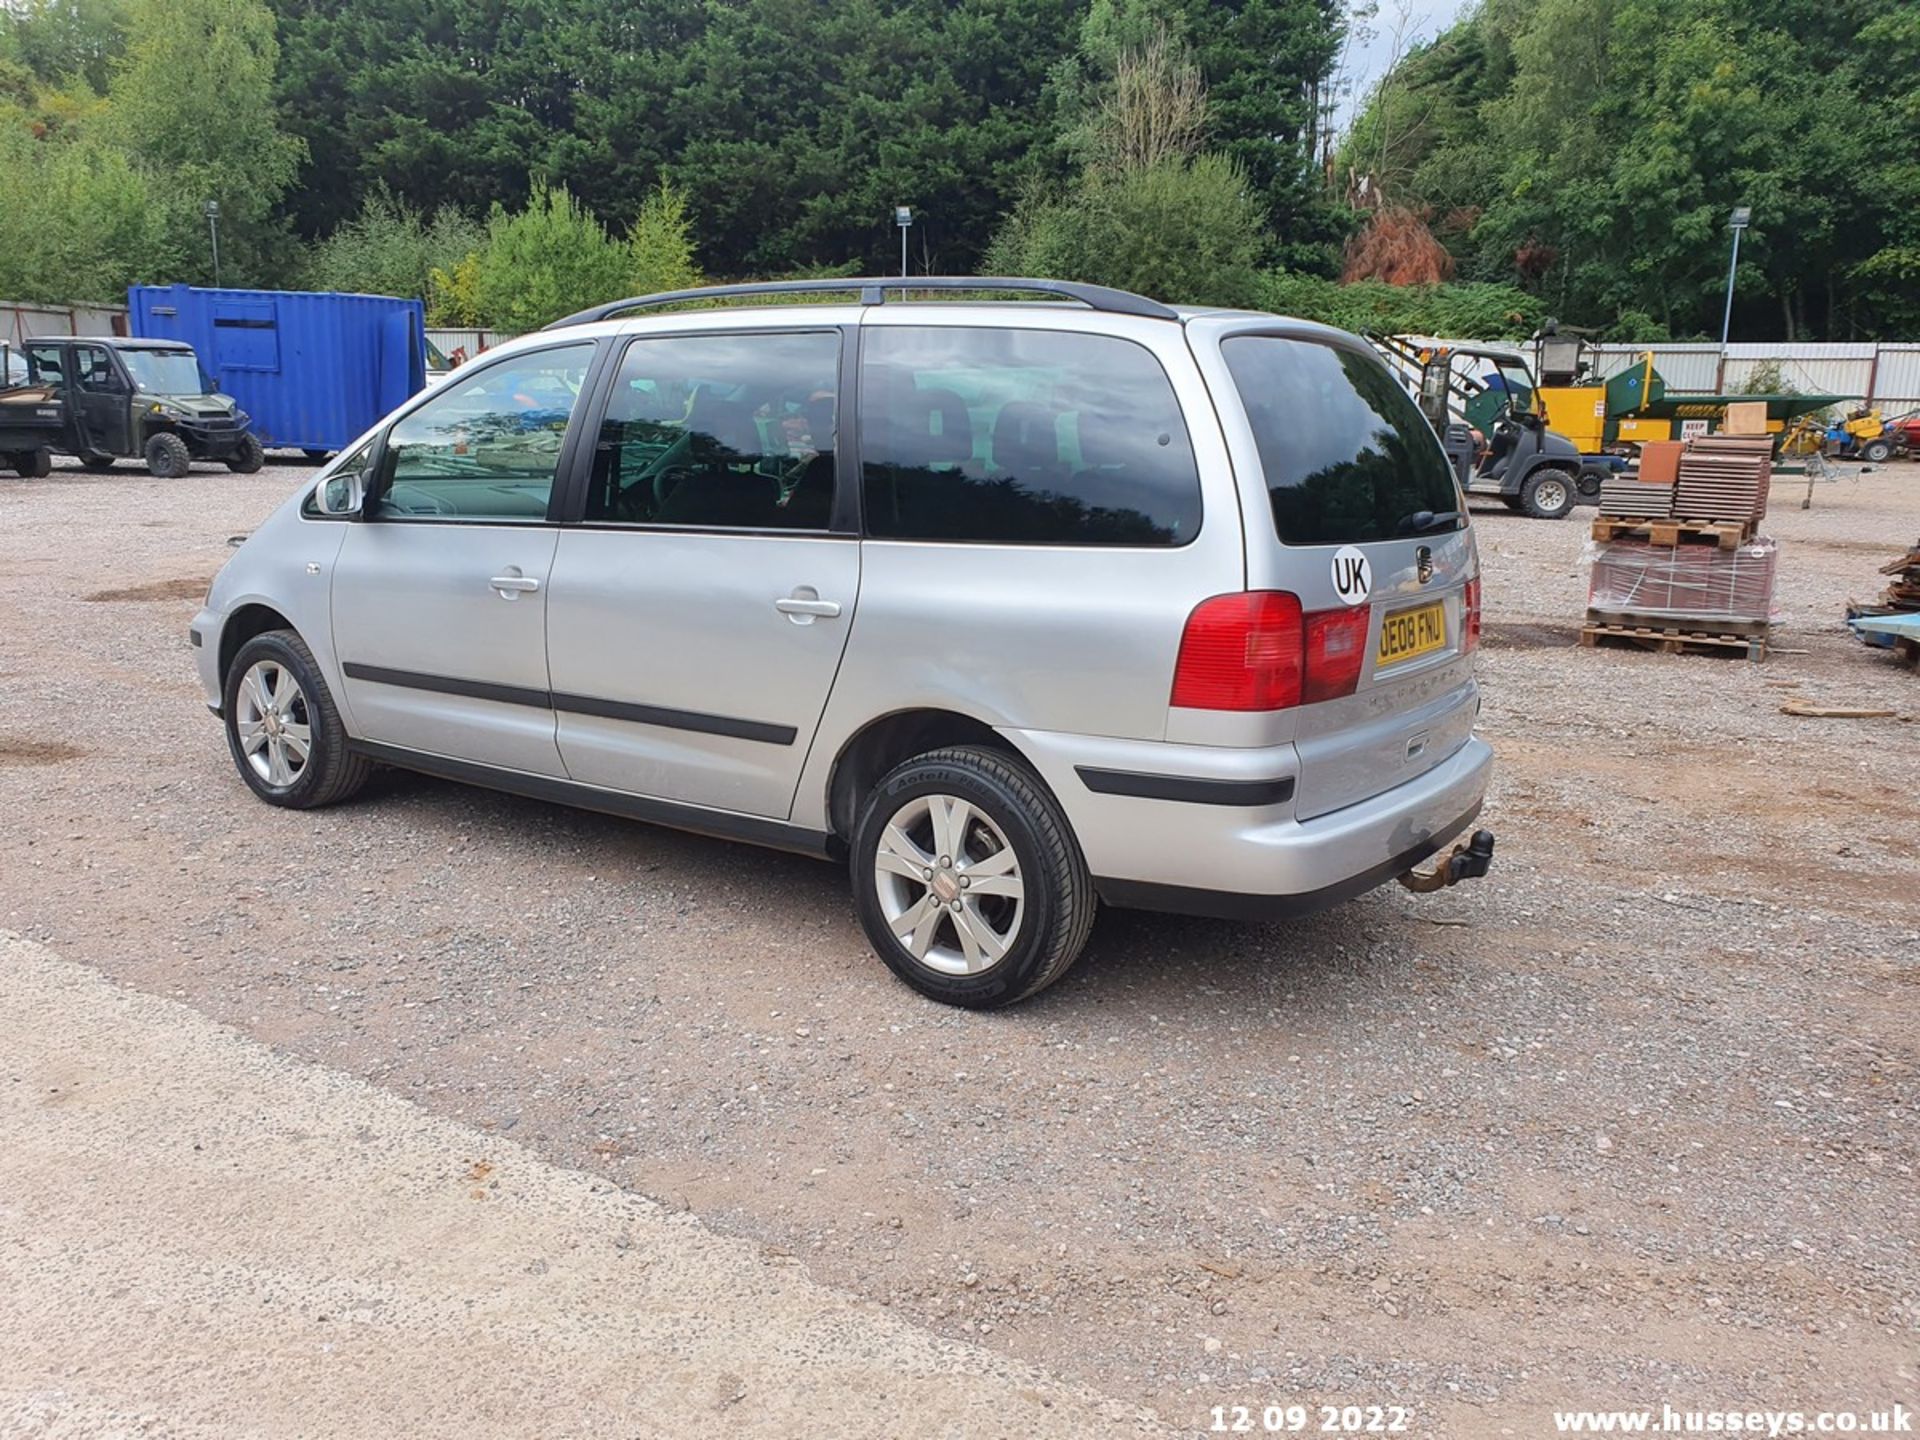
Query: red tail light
(1255, 650)
(1241, 652)
(1470, 607)
(1336, 651)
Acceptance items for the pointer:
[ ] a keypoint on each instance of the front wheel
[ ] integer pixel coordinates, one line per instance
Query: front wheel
(968, 880)
(167, 456)
(283, 730)
(1547, 494)
(248, 456)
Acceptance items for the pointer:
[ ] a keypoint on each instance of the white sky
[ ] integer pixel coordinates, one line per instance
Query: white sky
(1367, 59)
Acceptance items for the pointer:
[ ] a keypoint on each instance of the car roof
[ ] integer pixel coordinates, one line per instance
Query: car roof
(115, 342)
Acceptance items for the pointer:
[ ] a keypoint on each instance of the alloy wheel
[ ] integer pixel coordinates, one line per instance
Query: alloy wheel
(271, 718)
(949, 884)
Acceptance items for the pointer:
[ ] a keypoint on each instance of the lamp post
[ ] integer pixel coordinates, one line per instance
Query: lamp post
(903, 217)
(213, 229)
(1740, 218)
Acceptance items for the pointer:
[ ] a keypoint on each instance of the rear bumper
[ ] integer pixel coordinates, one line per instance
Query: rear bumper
(1247, 861)
(1227, 905)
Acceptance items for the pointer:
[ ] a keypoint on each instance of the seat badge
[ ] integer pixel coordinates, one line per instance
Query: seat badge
(1423, 562)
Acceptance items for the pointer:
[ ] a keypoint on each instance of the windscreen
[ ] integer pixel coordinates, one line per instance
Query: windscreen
(165, 372)
(1347, 456)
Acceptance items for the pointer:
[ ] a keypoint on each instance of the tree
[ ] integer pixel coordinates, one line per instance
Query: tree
(389, 248)
(1592, 153)
(661, 243)
(546, 261)
(191, 100)
(1147, 212)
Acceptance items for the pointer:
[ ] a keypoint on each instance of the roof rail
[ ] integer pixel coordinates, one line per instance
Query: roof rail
(873, 292)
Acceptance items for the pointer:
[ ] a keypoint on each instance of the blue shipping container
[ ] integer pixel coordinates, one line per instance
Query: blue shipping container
(312, 370)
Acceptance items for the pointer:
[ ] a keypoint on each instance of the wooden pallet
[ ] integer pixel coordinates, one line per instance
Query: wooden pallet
(1727, 534)
(1671, 638)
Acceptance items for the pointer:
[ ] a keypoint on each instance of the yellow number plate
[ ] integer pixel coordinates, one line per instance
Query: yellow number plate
(1406, 634)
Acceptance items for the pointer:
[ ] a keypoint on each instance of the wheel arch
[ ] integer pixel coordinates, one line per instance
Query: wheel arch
(881, 744)
(251, 619)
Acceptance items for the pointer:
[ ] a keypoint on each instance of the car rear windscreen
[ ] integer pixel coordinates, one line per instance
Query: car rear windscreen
(1348, 458)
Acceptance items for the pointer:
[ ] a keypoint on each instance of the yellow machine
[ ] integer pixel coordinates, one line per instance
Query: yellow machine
(1635, 405)
(1863, 435)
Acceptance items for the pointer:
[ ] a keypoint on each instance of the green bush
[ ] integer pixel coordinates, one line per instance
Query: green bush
(1187, 232)
(1458, 311)
(548, 260)
(390, 248)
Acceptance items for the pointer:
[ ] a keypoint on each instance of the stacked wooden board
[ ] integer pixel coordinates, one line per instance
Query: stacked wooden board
(1724, 477)
(1679, 564)
(1893, 623)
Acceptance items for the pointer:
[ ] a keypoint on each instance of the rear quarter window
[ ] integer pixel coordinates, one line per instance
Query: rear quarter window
(1347, 457)
(1036, 437)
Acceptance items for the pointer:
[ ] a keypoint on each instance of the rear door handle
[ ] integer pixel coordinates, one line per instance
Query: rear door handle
(513, 583)
(804, 605)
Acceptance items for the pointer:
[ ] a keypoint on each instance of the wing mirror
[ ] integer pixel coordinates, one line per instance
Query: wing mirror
(341, 494)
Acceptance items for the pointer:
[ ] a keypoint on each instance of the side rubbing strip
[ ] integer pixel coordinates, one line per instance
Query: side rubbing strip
(758, 730)
(447, 685)
(677, 719)
(1186, 788)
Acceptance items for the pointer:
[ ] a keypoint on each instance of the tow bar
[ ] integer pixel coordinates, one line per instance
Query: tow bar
(1468, 860)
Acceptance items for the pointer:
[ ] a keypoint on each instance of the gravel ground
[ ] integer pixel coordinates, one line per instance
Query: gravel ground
(1635, 1120)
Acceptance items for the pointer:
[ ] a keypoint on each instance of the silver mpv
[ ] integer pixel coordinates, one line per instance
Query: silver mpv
(1013, 605)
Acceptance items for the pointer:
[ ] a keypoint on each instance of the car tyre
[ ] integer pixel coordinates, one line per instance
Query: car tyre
(1548, 494)
(1875, 452)
(267, 724)
(1011, 926)
(248, 456)
(167, 456)
(32, 464)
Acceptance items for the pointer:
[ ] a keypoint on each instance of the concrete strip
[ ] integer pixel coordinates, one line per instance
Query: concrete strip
(200, 1237)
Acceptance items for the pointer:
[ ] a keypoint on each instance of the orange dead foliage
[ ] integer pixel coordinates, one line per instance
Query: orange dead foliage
(1397, 246)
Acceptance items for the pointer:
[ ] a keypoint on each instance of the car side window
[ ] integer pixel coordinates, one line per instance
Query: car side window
(725, 431)
(46, 363)
(1037, 437)
(92, 369)
(486, 446)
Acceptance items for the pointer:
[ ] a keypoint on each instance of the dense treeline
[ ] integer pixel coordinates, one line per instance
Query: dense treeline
(509, 160)
(1593, 151)
(390, 140)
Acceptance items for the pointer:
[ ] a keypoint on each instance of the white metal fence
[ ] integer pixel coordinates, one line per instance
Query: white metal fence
(1884, 375)
(462, 345)
(21, 322)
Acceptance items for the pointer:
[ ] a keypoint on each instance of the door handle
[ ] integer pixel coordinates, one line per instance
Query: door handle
(804, 605)
(513, 584)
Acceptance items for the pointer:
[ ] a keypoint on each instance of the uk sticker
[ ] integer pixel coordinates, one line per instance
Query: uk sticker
(1352, 575)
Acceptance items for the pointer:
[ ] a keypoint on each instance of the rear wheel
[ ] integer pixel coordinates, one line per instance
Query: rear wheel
(967, 879)
(1547, 494)
(284, 733)
(248, 456)
(32, 464)
(1875, 451)
(167, 456)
